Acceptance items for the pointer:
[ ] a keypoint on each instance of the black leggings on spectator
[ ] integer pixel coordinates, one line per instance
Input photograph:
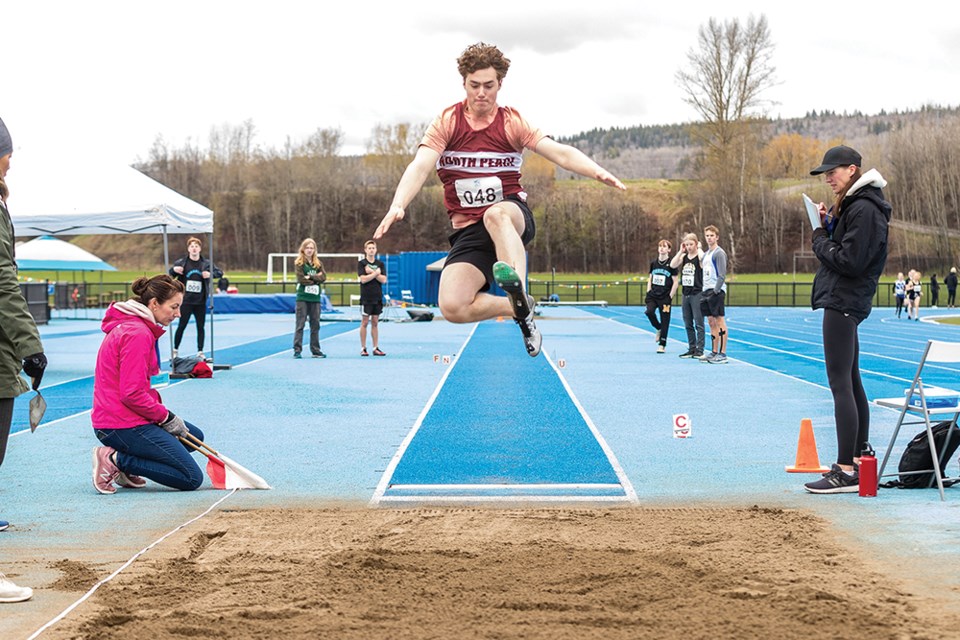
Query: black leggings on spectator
(851, 410)
(199, 312)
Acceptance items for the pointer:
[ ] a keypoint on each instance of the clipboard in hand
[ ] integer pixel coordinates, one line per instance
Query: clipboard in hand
(813, 212)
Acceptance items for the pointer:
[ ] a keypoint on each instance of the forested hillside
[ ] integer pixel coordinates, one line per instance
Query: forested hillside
(664, 151)
(267, 200)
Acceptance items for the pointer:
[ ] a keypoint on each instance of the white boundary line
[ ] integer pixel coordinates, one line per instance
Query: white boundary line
(384, 483)
(631, 494)
(567, 499)
(63, 614)
(507, 487)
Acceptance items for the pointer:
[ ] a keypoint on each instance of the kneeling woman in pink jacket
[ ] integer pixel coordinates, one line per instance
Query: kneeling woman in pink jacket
(139, 433)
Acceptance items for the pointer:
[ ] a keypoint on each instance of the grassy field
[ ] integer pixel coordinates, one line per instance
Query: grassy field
(755, 289)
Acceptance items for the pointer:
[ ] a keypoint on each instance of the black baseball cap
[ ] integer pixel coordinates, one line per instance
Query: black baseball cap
(837, 157)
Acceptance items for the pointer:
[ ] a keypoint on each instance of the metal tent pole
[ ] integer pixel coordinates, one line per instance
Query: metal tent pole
(213, 349)
(166, 269)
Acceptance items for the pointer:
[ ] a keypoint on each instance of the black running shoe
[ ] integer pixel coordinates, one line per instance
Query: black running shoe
(835, 481)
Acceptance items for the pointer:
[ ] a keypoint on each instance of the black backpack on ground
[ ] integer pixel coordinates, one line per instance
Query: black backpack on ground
(916, 457)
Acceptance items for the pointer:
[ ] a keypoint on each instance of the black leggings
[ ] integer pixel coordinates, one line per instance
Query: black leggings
(841, 354)
(6, 419)
(199, 312)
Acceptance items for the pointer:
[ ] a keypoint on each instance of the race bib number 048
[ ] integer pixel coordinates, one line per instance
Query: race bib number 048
(479, 192)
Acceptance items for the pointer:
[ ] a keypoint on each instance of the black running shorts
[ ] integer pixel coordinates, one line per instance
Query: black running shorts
(474, 245)
(711, 304)
(372, 308)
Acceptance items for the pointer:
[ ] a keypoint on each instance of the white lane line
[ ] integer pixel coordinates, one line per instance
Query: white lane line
(384, 483)
(63, 614)
(507, 487)
(567, 499)
(631, 494)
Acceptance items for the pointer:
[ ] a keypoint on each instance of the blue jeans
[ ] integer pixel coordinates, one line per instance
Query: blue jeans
(151, 452)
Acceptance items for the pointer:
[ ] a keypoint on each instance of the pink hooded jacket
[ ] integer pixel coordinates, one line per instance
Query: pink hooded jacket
(122, 397)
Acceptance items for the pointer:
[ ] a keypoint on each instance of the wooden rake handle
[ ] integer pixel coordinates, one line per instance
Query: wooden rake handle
(197, 444)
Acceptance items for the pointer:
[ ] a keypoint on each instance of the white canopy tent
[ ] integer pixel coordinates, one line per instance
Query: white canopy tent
(49, 196)
(53, 198)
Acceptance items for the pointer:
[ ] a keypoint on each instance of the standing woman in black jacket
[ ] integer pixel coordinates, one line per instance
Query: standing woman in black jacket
(852, 249)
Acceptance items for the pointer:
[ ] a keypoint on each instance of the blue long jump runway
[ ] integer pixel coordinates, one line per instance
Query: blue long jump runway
(503, 426)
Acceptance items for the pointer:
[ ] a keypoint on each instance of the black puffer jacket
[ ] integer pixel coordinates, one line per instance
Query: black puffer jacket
(852, 258)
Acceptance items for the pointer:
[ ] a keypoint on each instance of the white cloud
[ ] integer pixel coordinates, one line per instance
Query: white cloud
(106, 78)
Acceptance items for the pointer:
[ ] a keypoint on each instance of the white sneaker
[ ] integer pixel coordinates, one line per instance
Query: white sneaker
(175, 354)
(200, 355)
(10, 592)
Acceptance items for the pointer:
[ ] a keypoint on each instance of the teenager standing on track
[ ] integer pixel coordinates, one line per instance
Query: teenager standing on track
(661, 288)
(310, 275)
(20, 346)
(372, 274)
(852, 249)
(714, 263)
(951, 283)
(687, 261)
(476, 147)
(193, 271)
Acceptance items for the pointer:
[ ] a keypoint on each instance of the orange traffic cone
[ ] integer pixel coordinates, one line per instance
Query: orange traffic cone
(807, 459)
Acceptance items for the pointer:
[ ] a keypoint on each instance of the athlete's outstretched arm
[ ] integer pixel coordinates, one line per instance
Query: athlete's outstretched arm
(572, 159)
(410, 184)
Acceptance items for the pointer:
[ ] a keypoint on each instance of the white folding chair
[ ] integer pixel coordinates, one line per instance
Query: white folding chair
(936, 351)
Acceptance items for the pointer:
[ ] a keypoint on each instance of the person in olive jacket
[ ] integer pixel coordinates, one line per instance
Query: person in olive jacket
(20, 346)
(852, 249)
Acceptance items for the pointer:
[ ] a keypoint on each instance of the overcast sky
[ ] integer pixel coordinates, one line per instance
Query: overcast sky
(104, 79)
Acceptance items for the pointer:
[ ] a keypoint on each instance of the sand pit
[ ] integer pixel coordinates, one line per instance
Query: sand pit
(354, 572)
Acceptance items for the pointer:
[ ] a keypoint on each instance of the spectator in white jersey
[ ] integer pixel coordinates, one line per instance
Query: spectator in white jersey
(714, 263)
(661, 287)
(476, 147)
(687, 261)
(900, 293)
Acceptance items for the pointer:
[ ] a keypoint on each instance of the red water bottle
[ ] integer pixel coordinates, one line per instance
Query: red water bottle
(868, 472)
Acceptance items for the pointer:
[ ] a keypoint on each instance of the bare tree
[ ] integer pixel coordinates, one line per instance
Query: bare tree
(723, 82)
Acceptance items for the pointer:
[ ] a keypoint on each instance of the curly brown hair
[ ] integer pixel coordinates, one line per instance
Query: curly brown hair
(482, 56)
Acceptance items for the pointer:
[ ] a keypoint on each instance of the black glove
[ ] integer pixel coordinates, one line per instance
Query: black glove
(174, 425)
(817, 233)
(33, 366)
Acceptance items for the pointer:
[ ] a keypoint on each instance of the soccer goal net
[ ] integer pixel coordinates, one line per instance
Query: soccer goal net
(280, 266)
